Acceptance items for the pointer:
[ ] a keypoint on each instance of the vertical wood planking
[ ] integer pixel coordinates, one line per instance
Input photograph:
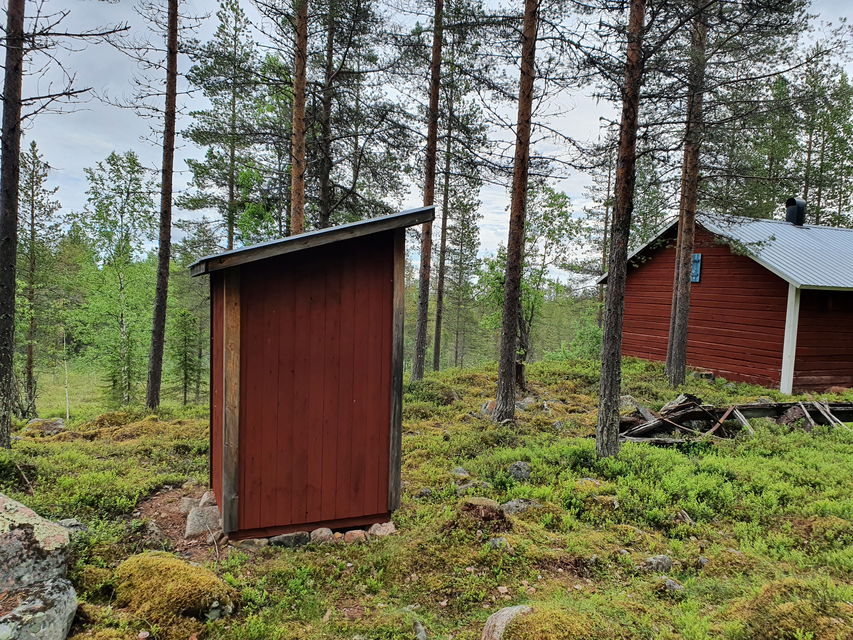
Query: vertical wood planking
(343, 479)
(331, 397)
(372, 391)
(231, 400)
(299, 279)
(283, 476)
(397, 329)
(316, 381)
(271, 388)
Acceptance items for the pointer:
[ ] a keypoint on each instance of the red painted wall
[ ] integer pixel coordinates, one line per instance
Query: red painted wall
(737, 313)
(315, 388)
(824, 340)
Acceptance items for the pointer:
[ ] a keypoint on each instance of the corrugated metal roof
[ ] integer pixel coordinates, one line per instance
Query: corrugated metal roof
(809, 256)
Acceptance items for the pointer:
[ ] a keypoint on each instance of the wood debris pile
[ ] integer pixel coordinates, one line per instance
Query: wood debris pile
(687, 419)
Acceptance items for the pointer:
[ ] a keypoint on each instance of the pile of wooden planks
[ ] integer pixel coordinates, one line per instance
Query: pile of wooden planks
(687, 419)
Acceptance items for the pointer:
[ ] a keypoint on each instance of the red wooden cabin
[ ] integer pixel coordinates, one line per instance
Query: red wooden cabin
(771, 302)
(306, 377)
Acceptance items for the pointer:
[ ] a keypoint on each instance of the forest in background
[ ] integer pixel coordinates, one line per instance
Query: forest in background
(778, 121)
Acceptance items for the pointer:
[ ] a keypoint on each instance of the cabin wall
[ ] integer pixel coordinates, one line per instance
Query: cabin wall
(315, 387)
(737, 312)
(824, 340)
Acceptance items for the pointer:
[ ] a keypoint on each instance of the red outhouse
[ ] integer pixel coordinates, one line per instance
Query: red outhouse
(306, 377)
(771, 301)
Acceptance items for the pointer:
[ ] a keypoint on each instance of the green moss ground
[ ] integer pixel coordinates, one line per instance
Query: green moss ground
(770, 553)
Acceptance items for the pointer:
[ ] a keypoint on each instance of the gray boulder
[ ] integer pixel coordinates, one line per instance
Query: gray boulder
(323, 534)
(73, 525)
(291, 540)
(33, 563)
(45, 612)
(498, 622)
(519, 505)
(32, 549)
(207, 500)
(187, 504)
(45, 426)
(202, 520)
(519, 470)
(656, 564)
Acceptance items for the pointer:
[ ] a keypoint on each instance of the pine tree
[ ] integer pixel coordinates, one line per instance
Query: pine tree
(225, 69)
(39, 231)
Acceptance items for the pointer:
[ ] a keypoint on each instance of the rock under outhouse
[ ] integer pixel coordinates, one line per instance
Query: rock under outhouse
(306, 377)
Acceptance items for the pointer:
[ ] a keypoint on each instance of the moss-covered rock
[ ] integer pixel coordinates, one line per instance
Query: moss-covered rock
(791, 609)
(553, 624)
(171, 593)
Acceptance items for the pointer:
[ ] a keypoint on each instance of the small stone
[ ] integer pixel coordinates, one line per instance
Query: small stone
(202, 520)
(45, 426)
(323, 534)
(419, 631)
(465, 487)
(526, 404)
(701, 561)
(380, 530)
(355, 535)
(498, 621)
(670, 586)
(656, 564)
(187, 504)
(488, 408)
(503, 590)
(144, 635)
(519, 505)
(499, 543)
(558, 425)
(461, 472)
(519, 471)
(250, 543)
(73, 525)
(291, 540)
(426, 492)
(208, 499)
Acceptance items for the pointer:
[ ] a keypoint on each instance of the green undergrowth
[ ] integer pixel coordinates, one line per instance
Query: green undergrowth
(759, 528)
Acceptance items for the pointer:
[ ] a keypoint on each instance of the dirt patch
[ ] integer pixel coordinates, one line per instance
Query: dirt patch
(163, 510)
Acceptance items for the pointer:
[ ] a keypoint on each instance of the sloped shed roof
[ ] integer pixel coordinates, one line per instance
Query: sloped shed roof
(312, 239)
(808, 256)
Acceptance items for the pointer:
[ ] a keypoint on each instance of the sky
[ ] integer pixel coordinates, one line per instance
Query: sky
(78, 139)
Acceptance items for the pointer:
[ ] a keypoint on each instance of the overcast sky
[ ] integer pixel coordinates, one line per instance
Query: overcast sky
(73, 141)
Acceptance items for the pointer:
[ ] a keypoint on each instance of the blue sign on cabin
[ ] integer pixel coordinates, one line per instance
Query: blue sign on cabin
(696, 268)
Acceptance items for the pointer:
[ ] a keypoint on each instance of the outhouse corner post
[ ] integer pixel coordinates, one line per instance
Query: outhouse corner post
(231, 399)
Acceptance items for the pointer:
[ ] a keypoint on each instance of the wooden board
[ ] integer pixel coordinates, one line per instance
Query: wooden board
(231, 400)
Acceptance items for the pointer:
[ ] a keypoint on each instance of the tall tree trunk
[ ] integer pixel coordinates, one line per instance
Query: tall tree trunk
(429, 192)
(10, 169)
(161, 295)
(607, 429)
(676, 365)
(442, 248)
(325, 161)
(29, 410)
(607, 203)
(300, 64)
(505, 401)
